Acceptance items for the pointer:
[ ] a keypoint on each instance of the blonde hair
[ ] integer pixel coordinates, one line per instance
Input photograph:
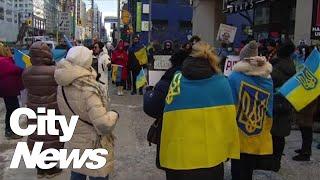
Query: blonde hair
(5, 51)
(204, 50)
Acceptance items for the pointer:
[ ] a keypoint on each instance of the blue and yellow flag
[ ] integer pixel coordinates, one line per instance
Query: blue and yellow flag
(141, 80)
(142, 56)
(254, 98)
(116, 75)
(22, 60)
(304, 87)
(199, 124)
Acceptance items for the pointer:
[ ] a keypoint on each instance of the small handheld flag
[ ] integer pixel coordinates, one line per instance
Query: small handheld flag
(22, 60)
(116, 73)
(304, 87)
(142, 56)
(141, 80)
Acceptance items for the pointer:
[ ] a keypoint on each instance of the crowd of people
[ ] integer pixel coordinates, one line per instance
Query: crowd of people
(202, 118)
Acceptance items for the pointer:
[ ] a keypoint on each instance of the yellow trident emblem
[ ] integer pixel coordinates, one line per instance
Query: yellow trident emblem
(174, 89)
(307, 79)
(252, 109)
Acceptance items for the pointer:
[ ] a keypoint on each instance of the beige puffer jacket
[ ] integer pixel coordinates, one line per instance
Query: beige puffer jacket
(91, 108)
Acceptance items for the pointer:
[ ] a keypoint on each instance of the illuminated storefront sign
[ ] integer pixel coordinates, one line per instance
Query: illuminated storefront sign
(235, 6)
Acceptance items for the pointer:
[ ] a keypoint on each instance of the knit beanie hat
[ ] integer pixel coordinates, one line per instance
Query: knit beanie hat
(249, 50)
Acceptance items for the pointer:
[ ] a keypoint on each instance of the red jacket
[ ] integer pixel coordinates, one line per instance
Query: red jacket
(120, 57)
(10, 78)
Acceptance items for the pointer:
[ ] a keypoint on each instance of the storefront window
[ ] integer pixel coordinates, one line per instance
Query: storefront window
(185, 26)
(159, 26)
(184, 2)
(262, 15)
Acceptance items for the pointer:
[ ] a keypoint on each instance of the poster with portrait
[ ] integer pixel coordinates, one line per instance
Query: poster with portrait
(226, 33)
(315, 27)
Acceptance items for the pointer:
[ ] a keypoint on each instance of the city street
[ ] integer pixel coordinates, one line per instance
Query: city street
(135, 159)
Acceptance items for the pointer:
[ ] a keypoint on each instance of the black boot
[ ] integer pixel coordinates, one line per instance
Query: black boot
(298, 151)
(278, 147)
(50, 173)
(40, 173)
(305, 151)
(302, 157)
(11, 135)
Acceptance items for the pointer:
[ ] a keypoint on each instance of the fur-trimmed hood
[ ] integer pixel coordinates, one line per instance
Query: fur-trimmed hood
(257, 66)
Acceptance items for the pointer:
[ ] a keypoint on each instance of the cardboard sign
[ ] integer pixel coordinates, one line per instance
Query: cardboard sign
(230, 62)
(226, 33)
(162, 62)
(65, 23)
(155, 76)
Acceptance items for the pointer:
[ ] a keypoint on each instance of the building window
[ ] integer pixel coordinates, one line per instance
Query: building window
(262, 15)
(159, 26)
(160, 1)
(9, 19)
(20, 5)
(9, 12)
(185, 26)
(1, 13)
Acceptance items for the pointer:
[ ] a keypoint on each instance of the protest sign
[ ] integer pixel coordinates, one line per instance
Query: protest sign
(154, 77)
(230, 62)
(162, 62)
(226, 33)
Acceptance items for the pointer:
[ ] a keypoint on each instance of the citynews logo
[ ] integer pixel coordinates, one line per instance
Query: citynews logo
(50, 158)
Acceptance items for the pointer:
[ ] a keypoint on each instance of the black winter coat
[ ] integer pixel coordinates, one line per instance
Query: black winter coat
(283, 113)
(154, 103)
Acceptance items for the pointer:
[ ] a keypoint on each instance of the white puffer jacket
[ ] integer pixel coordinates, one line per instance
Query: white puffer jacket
(103, 61)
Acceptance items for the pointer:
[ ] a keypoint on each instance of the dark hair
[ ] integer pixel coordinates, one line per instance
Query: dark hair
(178, 58)
(185, 45)
(271, 42)
(195, 38)
(100, 44)
(286, 49)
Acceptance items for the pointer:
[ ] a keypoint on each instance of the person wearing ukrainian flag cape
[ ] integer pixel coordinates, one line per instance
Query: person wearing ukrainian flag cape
(252, 88)
(199, 130)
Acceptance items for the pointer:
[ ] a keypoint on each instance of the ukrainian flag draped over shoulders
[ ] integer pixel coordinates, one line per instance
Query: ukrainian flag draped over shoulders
(254, 98)
(199, 127)
(304, 87)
